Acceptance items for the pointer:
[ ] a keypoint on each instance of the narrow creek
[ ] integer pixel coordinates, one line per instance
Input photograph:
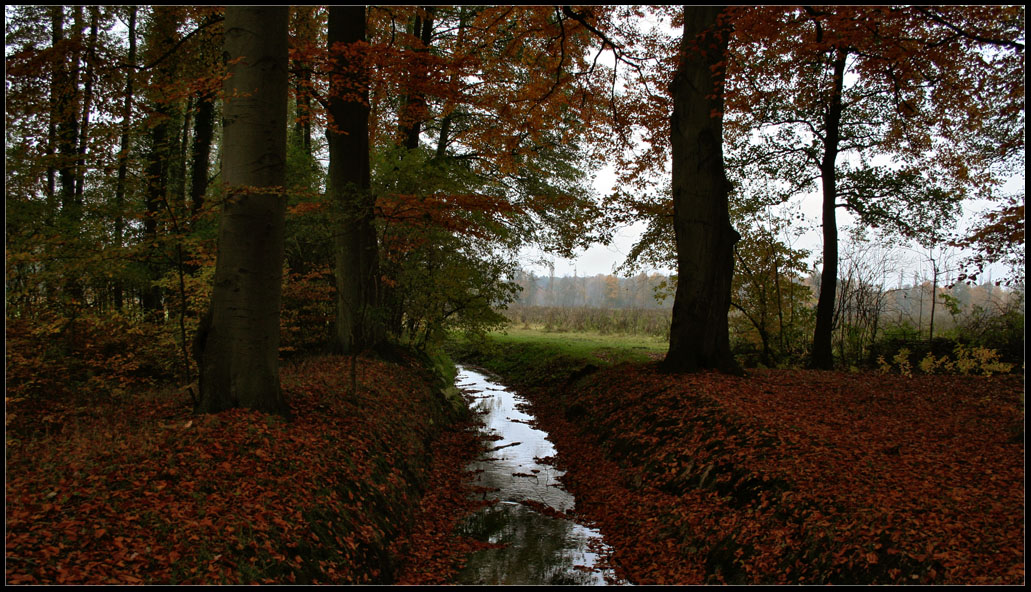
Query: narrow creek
(539, 549)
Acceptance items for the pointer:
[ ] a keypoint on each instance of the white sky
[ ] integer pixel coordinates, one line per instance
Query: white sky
(602, 259)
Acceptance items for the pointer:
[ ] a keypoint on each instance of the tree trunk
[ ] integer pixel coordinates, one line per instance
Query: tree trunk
(359, 322)
(203, 132)
(934, 298)
(162, 36)
(123, 153)
(87, 106)
(445, 123)
(822, 355)
(66, 114)
(239, 341)
(67, 83)
(304, 27)
(699, 335)
(56, 94)
(413, 109)
(178, 190)
(157, 179)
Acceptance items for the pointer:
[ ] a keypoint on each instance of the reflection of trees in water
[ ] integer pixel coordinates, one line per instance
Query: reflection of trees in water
(539, 549)
(488, 408)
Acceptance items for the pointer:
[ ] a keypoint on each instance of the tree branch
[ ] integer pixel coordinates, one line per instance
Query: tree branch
(211, 21)
(941, 20)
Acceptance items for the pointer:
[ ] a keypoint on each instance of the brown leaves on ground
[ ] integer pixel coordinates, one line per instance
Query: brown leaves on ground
(797, 476)
(144, 492)
(431, 552)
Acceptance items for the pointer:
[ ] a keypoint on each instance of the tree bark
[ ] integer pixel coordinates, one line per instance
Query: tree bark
(65, 98)
(56, 93)
(68, 123)
(822, 354)
(162, 36)
(699, 334)
(239, 341)
(87, 106)
(413, 109)
(445, 123)
(304, 27)
(123, 152)
(203, 132)
(359, 322)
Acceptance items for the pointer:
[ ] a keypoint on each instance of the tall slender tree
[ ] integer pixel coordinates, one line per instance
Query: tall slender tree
(237, 345)
(413, 108)
(123, 152)
(162, 36)
(359, 324)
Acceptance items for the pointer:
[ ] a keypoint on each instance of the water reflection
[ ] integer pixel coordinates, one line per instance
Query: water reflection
(538, 549)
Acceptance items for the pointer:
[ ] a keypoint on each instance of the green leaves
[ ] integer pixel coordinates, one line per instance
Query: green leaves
(906, 200)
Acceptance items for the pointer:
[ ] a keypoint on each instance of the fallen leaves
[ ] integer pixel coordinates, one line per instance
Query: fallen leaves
(147, 493)
(795, 476)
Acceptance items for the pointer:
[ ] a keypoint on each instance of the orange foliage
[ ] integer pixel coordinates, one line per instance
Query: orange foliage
(143, 492)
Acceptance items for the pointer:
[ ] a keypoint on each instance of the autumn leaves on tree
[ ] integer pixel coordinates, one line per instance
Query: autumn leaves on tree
(457, 135)
(897, 114)
(900, 113)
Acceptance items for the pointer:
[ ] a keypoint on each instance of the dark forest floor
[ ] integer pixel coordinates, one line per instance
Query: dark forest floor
(138, 490)
(782, 476)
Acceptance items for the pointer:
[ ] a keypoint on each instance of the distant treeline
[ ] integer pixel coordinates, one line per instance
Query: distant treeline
(623, 321)
(868, 314)
(599, 291)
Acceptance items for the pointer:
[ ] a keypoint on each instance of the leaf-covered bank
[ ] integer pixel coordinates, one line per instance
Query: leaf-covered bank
(785, 476)
(139, 490)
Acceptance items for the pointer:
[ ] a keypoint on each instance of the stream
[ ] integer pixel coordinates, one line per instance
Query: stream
(539, 549)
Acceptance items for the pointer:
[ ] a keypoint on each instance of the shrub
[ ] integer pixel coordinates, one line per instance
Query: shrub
(967, 360)
(980, 359)
(53, 356)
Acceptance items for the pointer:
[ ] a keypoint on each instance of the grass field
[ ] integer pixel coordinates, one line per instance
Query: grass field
(587, 345)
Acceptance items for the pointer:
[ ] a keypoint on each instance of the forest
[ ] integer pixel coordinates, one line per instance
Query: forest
(245, 247)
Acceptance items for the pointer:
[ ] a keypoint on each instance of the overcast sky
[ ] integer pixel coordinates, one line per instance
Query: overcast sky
(601, 259)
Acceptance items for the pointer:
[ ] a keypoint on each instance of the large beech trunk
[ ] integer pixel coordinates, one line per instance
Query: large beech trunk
(238, 343)
(359, 319)
(699, 337)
